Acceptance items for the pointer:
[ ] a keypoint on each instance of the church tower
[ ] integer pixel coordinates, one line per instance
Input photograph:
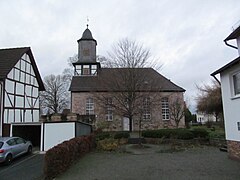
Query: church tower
(86, 64)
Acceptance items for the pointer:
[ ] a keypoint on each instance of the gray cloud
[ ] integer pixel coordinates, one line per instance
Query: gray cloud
(186, 36)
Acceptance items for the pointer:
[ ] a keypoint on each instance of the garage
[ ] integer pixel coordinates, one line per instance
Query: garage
(54, 133)
(28, 131)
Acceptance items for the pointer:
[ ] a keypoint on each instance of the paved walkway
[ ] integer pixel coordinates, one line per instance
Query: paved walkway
(196, 163)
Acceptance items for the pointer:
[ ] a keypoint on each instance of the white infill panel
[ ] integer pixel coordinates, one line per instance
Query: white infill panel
(56, 133)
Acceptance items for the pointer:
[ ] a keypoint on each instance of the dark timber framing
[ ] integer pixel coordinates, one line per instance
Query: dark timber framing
(21, 83)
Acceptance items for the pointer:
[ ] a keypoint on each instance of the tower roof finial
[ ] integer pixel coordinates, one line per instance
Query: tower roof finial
(87, 21)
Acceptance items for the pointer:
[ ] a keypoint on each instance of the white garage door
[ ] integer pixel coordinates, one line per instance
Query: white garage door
(56, 133)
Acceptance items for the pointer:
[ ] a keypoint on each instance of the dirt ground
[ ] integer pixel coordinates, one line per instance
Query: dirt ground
(194, 163)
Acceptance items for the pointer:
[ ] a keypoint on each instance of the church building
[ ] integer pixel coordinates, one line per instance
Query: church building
(121, 99)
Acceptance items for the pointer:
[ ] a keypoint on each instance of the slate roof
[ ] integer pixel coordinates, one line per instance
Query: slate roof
(232, 63)
(87, 36)
(152, 81)
(9, 58)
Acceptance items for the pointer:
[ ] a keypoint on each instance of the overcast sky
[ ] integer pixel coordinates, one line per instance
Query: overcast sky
(185, 36)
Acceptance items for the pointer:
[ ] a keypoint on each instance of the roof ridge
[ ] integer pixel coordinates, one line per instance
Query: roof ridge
(26, 47)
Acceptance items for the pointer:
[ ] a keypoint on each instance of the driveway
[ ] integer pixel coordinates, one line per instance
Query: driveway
(200, 163)
(27, 167)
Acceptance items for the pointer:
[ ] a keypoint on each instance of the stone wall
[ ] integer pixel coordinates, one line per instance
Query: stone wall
(234, 149)
(156, 122)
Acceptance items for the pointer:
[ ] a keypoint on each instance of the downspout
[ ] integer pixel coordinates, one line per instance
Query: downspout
(230, 45)
(216, 79)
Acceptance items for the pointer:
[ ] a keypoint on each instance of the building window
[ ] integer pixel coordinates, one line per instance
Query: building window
(165, 109)
(146, 109)
(93, 69)
(236, 83)
(86, 70)
(78, 70)
(238, 125)
(109, 109)
(89, 106)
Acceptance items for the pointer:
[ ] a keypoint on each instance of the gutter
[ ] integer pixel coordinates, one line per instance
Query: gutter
(230, 45)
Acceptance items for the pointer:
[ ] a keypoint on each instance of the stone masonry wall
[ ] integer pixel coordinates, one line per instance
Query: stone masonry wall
(234, 149)
(156, 122)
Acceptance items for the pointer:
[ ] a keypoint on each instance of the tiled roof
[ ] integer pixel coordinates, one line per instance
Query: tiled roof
(9, 58)
(111, 79)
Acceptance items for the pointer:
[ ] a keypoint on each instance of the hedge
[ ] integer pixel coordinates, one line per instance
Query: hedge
(103, 135)
(176, 133)
(116, 135)
(59, 158)
(120, 135)
(200, 133)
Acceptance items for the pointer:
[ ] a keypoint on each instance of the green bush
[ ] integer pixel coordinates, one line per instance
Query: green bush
(169, 133)
(103, 135)
(217, 134)
(184, 134)
(200, 133)
(120, 135)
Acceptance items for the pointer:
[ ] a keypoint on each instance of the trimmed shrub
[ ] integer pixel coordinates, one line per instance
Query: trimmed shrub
(200, 133)
(109, 144)
(103, 135)
(120, 135)
(169, 133)
(216, 134)
(184, 134)
(59, 158)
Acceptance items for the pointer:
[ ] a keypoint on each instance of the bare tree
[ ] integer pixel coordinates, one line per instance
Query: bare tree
(129, 84)
(209, 99)
(56, 96)
(177, 111)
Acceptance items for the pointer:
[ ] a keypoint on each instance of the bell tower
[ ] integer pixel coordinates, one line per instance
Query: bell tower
(86, 64)
(87, 47)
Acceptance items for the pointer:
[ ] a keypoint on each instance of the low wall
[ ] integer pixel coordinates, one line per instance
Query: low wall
(233, 150)
(177, 141)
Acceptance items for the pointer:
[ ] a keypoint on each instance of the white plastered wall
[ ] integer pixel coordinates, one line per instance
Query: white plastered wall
(231, 105)
(55, 133)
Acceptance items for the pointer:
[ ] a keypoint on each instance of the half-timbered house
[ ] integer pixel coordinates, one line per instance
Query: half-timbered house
(20, 83)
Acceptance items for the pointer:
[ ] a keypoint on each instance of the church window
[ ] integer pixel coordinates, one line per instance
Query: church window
(165, 109)
(146, 108)
(89, 106)
(86, 70)
(78, 70)
(93, 69)
(109, 109)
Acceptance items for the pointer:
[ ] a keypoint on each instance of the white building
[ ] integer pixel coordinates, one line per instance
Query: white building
(20, 83)
(230, 86)
(204, 118)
